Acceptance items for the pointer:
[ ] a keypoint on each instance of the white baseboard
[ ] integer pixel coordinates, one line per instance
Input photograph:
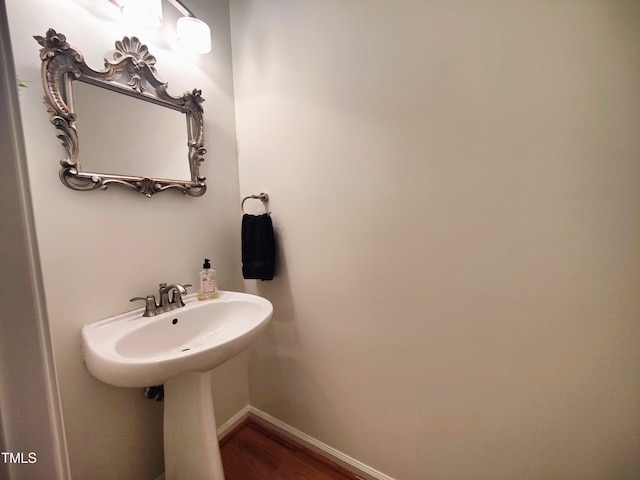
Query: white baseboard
(233, 422)
(345, 461)
(336, 456)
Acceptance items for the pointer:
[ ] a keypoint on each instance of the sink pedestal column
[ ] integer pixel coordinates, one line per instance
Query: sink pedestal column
(191, 448)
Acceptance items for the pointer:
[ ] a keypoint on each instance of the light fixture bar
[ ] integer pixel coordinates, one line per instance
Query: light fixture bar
(181, 8)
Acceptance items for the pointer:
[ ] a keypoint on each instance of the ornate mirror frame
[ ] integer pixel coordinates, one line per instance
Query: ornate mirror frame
(131, 72)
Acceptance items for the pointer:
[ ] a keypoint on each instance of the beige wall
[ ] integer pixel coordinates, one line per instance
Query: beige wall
(456, 188)
(98, 249)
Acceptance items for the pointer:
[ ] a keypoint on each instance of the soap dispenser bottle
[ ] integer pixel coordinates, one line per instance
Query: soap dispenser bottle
(208, 288)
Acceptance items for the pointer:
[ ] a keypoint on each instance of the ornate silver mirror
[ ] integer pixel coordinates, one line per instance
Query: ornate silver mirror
(118, 113)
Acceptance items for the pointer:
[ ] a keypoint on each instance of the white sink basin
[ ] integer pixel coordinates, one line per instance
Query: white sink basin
(178, 349)
(130, 350)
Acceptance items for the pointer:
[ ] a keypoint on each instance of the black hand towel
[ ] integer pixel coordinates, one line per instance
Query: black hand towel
(258, 247)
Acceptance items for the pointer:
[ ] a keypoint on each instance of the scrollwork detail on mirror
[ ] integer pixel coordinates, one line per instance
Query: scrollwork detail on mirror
(131, 72)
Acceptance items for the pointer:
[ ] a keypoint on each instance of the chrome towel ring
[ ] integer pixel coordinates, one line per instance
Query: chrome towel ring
(263, 197)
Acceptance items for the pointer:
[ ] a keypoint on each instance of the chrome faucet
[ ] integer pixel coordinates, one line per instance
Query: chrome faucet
(152, 308)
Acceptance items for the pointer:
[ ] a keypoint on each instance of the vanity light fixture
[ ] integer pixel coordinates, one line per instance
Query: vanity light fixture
(193, 35)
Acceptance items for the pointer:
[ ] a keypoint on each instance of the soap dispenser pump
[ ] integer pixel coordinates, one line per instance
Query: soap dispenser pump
(208, 288)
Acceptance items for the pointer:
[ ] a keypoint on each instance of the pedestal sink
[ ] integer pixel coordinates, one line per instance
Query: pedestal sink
(178, 349)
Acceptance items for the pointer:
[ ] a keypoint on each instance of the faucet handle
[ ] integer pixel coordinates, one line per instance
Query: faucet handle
(150, 307)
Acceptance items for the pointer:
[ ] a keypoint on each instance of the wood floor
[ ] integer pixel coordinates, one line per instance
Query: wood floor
(255, 452)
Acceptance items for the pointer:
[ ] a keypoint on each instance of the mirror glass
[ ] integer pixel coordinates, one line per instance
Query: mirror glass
(155, 137)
